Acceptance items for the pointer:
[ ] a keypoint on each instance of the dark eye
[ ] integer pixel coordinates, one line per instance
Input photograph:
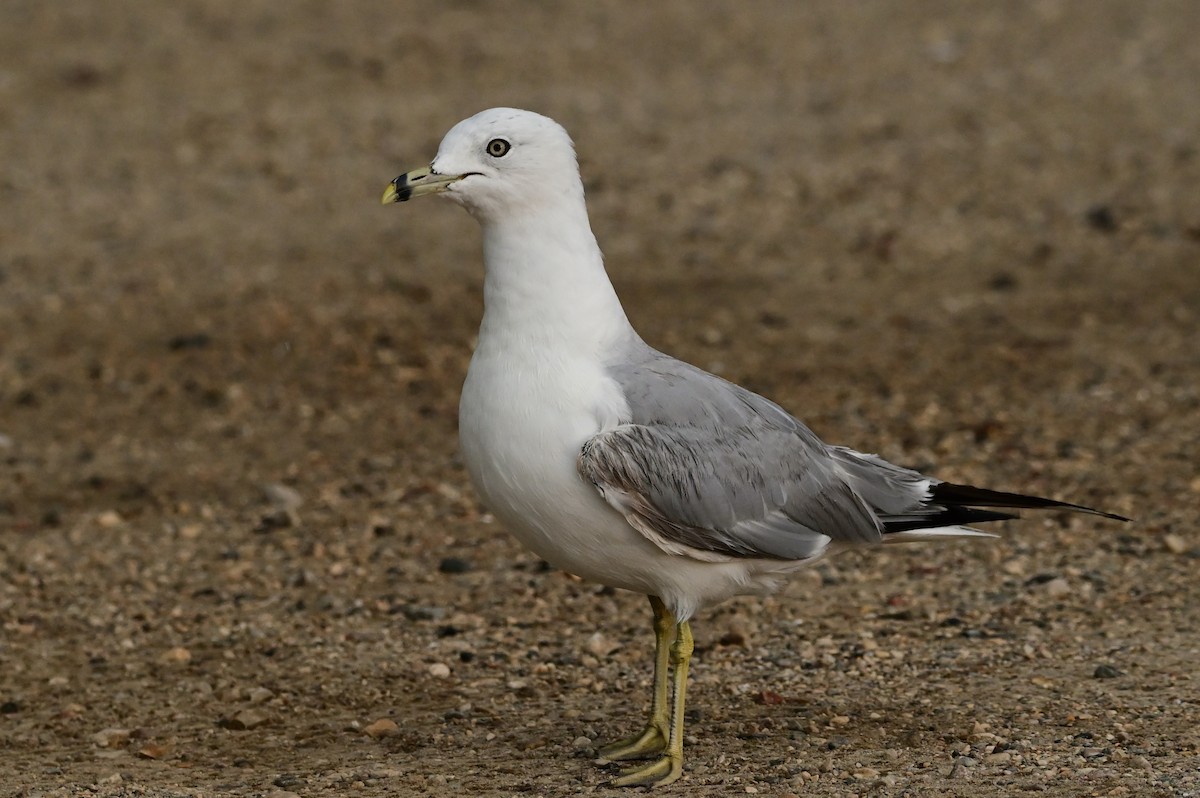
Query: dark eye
(498, 148)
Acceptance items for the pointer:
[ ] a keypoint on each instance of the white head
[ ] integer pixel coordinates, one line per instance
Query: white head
(498, 162)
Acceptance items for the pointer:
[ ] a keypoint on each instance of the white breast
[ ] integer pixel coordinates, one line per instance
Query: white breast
(523, 418)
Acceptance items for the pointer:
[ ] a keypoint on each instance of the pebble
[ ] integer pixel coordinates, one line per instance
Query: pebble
(736, 636)
(384, 727)
(1106, 671)
(439, 670)
(454, 565)
(1057, 587)
(246, 719)
(768, 697)
(1175, 543)
(283, 497)
(259, 695)
(154, 750)
(580, 743)
(179, 654)
(112, 738)
(1017, 566)
(416, 613)
(600, 645)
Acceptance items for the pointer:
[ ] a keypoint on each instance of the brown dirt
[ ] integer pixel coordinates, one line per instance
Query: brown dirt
(964, 235)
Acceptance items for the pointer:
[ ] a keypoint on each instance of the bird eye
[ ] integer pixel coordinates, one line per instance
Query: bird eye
(498, 148)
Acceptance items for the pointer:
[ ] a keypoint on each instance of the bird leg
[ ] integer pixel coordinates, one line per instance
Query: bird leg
(669, 767)
(653, 739)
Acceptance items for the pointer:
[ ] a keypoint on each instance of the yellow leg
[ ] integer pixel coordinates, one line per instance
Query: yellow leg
(669, 767)
(653, 739)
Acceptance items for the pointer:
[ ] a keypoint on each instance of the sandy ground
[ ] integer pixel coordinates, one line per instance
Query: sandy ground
(239, 554)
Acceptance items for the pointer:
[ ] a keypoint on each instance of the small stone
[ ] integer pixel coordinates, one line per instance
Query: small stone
(840, 720)
(154, 750)
(439, 670)
(998, 758)
(109, 519)
(454, 565)
(734, 637)
(581, 743)
(866, 774)
(415, 613)
(70, 711)
(384, 727)
(600, 645)
(245, 720)
(1057, 587)
(1015, 566)
(259, 695)
(750, 789)
(1106, 671)
(112, 738)
(179, 655)
(769, 698)
(276, 519)
(1174, 543)
(282, 497)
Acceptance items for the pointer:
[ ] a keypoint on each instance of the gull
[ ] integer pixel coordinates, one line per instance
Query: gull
(625, 466)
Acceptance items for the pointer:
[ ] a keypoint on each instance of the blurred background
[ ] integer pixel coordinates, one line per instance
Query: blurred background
(964, 235)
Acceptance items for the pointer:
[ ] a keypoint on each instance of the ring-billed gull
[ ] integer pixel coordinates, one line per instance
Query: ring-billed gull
(620, 464)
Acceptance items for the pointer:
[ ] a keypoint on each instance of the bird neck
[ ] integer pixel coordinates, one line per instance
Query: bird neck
(545, 286)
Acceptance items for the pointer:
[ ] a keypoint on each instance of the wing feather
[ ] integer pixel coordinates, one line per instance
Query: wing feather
(707, 469)
(726, 492)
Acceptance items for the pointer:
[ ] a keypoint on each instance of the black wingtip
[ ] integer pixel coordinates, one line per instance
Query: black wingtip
(951, 516)
(949, 493)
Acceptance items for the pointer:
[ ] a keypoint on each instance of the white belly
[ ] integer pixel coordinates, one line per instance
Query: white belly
(522, 422)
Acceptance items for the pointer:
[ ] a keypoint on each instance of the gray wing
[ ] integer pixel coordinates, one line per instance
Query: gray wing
(706, 468)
